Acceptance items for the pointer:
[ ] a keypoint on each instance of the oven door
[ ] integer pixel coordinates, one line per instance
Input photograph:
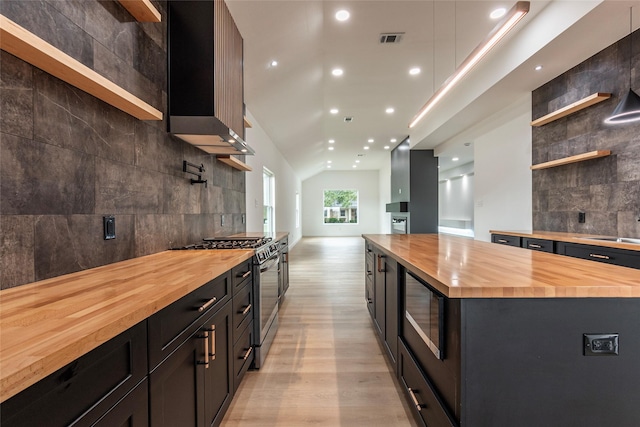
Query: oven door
(268, 294)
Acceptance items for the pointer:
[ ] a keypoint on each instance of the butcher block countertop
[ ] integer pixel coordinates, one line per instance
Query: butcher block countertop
(583, 239)
(46, 325)
(461, 267)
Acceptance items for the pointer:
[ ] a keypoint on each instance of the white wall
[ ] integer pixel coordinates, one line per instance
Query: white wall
(502, 156)
(455, 197)
(287, 184)
(367, 184)
(384, 190)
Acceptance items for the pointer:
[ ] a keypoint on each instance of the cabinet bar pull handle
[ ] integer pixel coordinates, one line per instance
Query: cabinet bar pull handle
(207, 304)
(503, 241)
(205, 336)
(213, 342)
(415, 400)
(533, 245)
(380, 269)
(370, 300)
(599, 256)
(246, 355)
(245, 275)
(285, 257)
(246, 310)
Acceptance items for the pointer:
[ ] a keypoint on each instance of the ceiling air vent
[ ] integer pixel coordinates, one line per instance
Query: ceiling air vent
(348, 119)
(390, 37)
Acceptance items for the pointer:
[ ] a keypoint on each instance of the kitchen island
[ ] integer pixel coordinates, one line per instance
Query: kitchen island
(491, 335)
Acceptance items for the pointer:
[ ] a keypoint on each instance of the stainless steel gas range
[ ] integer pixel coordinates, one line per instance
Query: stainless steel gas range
(266, 273)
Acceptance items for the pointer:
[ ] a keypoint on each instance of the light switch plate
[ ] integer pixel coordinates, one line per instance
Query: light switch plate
(109, 227)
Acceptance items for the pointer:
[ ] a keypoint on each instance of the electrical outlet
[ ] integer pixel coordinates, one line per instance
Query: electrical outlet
(109, 227)
(244, 219)
(221, 220)
(581, 217)
(600, 344)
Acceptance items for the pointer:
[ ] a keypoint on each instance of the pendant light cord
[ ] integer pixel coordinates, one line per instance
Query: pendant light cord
(630, 42)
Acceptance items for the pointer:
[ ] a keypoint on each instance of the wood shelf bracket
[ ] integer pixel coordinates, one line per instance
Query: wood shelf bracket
(30, 48)
(142, 10)
(572, 108)
(573, 159)
(234, 163)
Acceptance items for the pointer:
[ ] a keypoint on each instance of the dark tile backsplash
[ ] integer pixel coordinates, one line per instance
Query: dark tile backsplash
(67, 159)
(606, 189)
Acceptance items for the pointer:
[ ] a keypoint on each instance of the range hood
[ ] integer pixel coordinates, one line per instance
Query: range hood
(206, 83)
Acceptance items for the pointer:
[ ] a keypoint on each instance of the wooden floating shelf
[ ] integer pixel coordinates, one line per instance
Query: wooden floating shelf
(30, 48)
(573, 159)
(142, 10)
(572, 108)
(247, 123)
(234, 163)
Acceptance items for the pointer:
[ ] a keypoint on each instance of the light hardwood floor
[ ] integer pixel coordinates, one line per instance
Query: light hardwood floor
(325, 367)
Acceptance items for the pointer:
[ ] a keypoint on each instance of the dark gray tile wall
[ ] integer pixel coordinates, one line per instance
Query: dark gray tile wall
(67, 158)
(606, 189)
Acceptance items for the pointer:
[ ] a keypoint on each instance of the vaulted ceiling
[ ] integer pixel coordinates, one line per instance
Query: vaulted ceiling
(292, 100)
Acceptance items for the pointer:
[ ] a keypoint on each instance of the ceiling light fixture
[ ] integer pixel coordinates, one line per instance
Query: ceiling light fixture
(274, 63)
(332, 141)
(334, 111)
(329, 161)
(366, 147)
(329, 166)
(393, 140)
(455, 159)
(498, 13)
(357, 161)
(628, 109)
(354, 166)
(337, 72)
(538, 67)
(342, 15)
(370, 140)
(414, 71)
(516, 13)
(386, 147)
(330, 148)
(389, 110)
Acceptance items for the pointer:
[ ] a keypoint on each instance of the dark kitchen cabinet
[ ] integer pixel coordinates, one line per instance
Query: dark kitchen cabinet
(193, 386)
(541, 245)
(381, 294)
(414, 179)
(615, 256)
(105, 384)
(283, 246)
(504, 239)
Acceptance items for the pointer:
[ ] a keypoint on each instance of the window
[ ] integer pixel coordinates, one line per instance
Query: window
(340, 207)
(297, 210)
(269, 205)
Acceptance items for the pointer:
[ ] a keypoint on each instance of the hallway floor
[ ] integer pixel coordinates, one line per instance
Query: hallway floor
(325, 367)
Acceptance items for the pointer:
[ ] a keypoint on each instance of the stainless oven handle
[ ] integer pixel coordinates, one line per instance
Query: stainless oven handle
(271, 262)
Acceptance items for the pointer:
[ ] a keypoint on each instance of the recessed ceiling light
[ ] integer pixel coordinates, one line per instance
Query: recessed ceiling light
(455, 159)
(332, 141)
(342, 15)
(337, 71)
(414, 71)
(329, 161)
(386, 147)
(334, 111)
(366, 147)
(357, 161)
(393, 140)
(498, 13)
(330, 148)
(389, 110)
(274, 63)
(329, 166)
(354, 166)
(370, 140)
(538, 67)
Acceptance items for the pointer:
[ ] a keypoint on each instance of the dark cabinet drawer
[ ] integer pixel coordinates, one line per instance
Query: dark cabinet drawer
(242, 355)
(172, 325)
(423, 401)
(131, 411)
(506, 240)
(242, 310)
(538, 244)
(84, 390)
(613, 256)
(241, 275)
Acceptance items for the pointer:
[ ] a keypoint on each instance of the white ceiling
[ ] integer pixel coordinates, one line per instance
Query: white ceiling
(291, 101)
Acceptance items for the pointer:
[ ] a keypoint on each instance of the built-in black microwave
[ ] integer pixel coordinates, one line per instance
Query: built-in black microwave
(424, 310)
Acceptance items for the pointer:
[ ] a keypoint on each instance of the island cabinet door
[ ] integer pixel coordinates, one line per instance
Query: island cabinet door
(424, 402)
(380, 291)
(192, 387)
